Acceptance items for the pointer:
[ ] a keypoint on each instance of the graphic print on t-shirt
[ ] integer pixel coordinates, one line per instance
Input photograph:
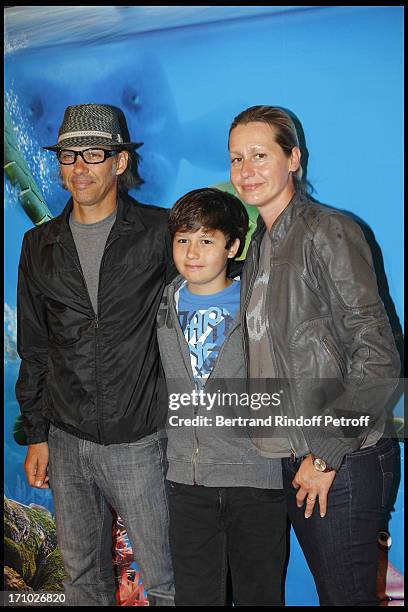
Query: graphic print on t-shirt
(205, 322)
(205, 331)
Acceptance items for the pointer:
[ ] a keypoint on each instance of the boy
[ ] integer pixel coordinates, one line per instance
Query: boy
(227, 508)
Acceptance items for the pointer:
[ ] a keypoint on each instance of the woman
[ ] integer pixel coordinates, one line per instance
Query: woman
(312, 317)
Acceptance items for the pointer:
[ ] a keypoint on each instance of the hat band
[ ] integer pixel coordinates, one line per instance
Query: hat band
(114, 137)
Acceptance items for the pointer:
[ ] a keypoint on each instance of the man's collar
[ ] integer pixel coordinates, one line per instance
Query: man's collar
(128, 220)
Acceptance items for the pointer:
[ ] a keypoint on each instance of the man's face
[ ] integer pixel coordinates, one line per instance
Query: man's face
(91, 184)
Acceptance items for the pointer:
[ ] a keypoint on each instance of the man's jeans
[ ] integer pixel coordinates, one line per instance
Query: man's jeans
(342, 548)
(85, 477)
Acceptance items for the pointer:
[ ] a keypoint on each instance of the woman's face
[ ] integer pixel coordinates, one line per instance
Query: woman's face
(260, 170)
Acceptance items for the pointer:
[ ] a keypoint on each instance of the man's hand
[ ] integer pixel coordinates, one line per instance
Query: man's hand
(312, 484)
(36, 464)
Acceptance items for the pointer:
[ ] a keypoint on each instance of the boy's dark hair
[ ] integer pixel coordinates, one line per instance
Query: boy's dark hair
(211, 209)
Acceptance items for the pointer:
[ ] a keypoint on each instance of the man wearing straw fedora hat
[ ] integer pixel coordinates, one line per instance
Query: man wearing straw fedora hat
(90, 283)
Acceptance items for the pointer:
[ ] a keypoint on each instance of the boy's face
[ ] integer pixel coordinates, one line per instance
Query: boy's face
(201, 257)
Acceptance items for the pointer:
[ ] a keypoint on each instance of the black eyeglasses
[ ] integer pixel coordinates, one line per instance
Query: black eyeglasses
(68, 157)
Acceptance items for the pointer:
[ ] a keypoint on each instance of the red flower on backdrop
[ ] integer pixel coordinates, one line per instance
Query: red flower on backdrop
(130, 591)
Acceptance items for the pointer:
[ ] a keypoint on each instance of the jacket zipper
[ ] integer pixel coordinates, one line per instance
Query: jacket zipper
(333, 353)
(95, 323)
(196, 451)
(173, 314)
(211, 375)
(268, 329)
(99, 401)
(95, 316)
(272, 349)
(247, 299)
(194, 463)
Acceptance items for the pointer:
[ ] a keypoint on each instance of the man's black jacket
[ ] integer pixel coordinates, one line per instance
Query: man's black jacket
(94, 375)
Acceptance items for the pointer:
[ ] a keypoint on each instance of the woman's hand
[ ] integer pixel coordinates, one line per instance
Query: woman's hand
(311, 485)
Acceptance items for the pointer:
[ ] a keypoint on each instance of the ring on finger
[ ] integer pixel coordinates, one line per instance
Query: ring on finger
(311, 500)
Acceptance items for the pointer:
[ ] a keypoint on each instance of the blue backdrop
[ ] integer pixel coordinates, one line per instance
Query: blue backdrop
(339, 69)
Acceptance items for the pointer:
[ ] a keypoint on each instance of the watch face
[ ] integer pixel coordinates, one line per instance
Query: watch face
(319, 464)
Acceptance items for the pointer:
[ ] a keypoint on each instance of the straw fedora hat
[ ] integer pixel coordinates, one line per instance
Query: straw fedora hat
(91, 125)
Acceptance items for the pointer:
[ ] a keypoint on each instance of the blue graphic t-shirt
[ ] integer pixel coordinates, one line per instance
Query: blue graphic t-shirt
(205, 321)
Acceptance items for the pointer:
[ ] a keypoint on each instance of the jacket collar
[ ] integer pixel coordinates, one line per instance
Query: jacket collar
(128, 220)
(282, 224)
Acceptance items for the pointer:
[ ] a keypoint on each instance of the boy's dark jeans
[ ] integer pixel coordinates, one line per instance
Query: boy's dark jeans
(212, 528)
(342, 548)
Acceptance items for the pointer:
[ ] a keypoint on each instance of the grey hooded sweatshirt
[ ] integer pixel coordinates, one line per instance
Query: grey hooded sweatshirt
(200, 452)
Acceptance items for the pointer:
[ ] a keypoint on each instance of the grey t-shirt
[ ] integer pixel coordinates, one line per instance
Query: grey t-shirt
(90, 240)
(260, 358)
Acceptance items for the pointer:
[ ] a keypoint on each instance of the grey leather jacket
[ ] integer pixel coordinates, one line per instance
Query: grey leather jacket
(330, 337)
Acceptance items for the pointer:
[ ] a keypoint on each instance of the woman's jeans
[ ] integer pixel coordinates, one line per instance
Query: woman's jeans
(341, 549)
(238, 530)
(86, 478)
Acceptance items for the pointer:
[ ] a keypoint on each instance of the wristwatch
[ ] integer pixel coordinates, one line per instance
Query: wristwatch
(320, 465)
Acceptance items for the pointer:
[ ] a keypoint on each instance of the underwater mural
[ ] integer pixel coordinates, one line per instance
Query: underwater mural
(182, 116)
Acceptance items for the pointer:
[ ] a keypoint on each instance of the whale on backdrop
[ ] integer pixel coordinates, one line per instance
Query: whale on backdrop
(45, 81)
